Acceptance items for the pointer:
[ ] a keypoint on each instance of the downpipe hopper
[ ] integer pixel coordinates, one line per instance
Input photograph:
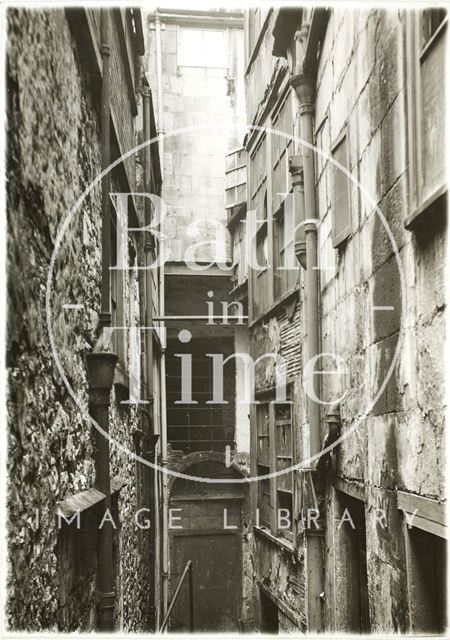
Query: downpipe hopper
(332, 433)
(333, 422)
(303, 85)
(297, 181)
(100, 369)
(301, 80)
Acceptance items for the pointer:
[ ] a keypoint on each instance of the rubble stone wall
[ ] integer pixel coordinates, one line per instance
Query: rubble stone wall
(53, 155)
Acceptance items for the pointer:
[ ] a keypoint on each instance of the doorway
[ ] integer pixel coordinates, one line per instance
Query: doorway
(209, 519)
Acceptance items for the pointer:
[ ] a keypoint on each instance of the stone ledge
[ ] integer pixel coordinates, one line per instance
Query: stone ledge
(84, 500)
(436, 204)
(430, 516)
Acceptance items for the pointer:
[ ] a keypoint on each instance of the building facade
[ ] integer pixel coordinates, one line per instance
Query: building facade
(78, 101)
(243, 404)
(345, 151)
(195, 64)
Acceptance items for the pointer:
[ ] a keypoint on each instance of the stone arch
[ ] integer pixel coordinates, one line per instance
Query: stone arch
(197, 458)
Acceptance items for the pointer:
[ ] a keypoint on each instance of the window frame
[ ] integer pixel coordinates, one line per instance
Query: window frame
(121, 309)
(340, 236)
(419, 202)
(204, 57)
(283, 287)
(259, 197)
(266, 399)
(265, 280)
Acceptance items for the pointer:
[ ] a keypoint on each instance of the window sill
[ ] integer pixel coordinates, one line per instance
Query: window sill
(341, 238)
(280, 542)
(432, 206)
(428, 515)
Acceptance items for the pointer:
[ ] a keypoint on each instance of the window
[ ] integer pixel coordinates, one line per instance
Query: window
(284, 460)
(122, 287)
(427, 582)
(259, 228)
(352, 550)
(263, 463)
(274, 454)
(282, 148)
(340, 185)
(117, 292)
(432, 20)
(264, 497)
(202, 48)
(255, 19)
(426, 47)
(270, 203)
(283, 453)
(235, 178)
(262, 246)
(426, 532)
(286, 270)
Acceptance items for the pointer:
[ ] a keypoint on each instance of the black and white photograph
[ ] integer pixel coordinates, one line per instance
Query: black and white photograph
(223, 236)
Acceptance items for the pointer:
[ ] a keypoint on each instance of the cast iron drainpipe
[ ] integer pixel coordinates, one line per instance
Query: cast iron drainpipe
(101, 365)
(304, 87)
(105, 315)
(164, 460)
(297, 181)
(147, 251)
(156, 535)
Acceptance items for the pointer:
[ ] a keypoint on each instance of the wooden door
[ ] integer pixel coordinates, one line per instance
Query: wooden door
(217, 566)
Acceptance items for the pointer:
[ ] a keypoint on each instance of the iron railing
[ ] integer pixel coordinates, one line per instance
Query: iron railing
(187, 570)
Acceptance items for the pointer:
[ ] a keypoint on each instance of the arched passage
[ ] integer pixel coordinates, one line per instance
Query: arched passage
(209, 527)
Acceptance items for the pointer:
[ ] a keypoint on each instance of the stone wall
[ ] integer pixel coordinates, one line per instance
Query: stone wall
(204, 105)
(361, 85)
(362, 94)
(53, 155)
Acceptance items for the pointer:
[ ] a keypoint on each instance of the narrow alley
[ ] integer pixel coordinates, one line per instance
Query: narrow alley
(226, 309)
